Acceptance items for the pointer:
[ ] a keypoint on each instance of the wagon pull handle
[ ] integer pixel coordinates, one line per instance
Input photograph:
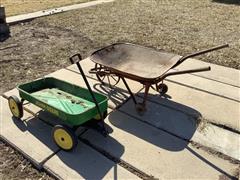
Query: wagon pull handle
(75, 59)
(200, 52)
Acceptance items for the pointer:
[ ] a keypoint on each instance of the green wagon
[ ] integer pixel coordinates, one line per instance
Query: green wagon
(75, 106)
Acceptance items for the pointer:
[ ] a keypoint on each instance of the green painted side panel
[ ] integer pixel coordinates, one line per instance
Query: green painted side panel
(71, 103)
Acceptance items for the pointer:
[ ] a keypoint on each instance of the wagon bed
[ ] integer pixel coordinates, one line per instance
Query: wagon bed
(62, 100)
(73, 104)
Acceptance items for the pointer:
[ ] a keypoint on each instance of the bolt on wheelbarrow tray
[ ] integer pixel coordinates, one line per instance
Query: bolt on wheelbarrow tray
(71, 103)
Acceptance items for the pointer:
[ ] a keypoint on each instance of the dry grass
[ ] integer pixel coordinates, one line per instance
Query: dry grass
(14, 7)
(177, 26)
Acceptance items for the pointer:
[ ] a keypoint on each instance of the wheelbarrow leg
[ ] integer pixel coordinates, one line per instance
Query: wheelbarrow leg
(147, 86)
(129, 90)
(141, 107)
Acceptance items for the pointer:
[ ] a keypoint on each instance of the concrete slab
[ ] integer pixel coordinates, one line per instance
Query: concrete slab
(47, 12)
(208, 86)
(31, 137)
(213, 108)
(158, 153)
(218, 73)
(117, 95)
(188, 127)
(218, 139)
(86, 163)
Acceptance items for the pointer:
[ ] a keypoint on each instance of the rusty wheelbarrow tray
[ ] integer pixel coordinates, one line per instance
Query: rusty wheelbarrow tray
(143, 64)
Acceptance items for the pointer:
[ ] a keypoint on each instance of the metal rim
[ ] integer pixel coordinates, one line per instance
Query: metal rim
(15, 106)
(112, 79)
(64, 138)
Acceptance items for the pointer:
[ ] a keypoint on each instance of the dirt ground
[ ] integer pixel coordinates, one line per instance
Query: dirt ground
(27, 6)
(42, 46)
(14, 166)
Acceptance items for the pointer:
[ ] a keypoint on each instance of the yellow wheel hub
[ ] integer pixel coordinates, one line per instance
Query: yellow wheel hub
(14, 108)
(97, 117)
(63, 139)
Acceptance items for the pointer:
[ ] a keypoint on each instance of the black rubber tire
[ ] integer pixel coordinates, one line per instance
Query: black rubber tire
(19, 106)
(70, 132)
(162, 88)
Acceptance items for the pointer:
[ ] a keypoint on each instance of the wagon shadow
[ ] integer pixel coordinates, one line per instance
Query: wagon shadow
(4, 37)
(170, 118)
(236, 2)
(83, 160)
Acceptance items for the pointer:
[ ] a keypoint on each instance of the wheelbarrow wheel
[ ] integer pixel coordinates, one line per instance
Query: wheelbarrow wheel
(15, 106)
(98, 117)
(106, 78)
(162, 88)
(64, 137)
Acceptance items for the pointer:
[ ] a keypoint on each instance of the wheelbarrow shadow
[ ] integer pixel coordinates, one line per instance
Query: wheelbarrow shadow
(168, 118)
(172, 134)
(116, 95)
(84, 160)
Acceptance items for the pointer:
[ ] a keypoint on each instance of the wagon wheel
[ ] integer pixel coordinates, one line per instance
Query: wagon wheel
(98, 118)
(64, 137)
(15, 106)
(105, 77)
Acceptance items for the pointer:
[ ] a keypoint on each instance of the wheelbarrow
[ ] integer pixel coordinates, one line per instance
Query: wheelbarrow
(75, 106)
(143, 64)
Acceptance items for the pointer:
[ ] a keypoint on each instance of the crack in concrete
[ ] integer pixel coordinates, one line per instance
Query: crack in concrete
(198, 89)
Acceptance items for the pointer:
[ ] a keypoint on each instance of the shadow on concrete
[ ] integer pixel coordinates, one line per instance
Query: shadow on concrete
(145, 132)
(115, 95)
(174, 118)
(227, 176)
(4, 37)
(236, 2)
(167, 102)
(84, 160)
(167, 140)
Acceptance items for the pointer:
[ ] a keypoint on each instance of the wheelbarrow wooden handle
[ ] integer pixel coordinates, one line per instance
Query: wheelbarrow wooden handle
(200, 52)
(186, 71)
